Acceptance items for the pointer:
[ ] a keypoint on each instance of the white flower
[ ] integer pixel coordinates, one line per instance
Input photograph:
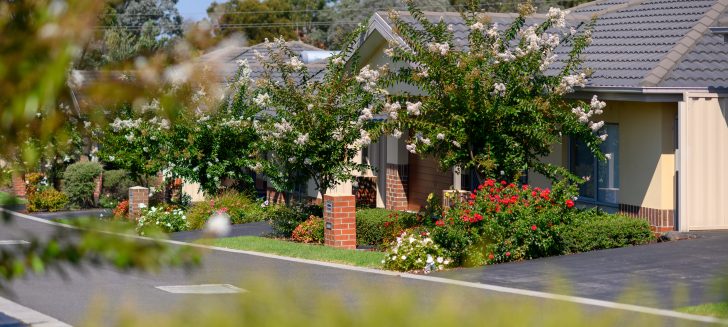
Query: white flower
(397, 133)
(218, 225)
(440, 259)
(142, 205)
(412, 148)
(404, 257)
(608, 156)
(596, 126)
(425, 141)
(441, 48)
(478, 26)
(262, 99)
(368, 77)
(603, 137)
(302, 139)
(364, 138)
(493, 30)
(440, 136)
(558, 17)
(338, 61)
(111, 158)
(389, 52)
(292, 159)
(307, 161)
(295, 63)
(86, 124)
(414, 108)
(499, 89)
(456, 144)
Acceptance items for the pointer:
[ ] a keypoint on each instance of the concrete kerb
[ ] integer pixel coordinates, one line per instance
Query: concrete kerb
(494, 288)
(29, 316)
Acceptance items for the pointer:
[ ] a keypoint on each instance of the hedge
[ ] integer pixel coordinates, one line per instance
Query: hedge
(592, 230)
(377, 227)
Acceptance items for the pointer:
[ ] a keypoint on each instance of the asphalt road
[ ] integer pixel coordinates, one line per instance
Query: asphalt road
(106, 290)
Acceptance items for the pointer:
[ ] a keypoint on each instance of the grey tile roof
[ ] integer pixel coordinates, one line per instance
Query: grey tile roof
(225, 59)
(640, 43)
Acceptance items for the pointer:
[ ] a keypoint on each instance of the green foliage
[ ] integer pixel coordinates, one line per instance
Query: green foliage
(502, 222)
(79, 183)
(167, 219)
(309, 231)
(594, 230)
(116, 184)
(240, 207)
(415, 251)
(281, 18)
(378, 227)
(719, 309)
(285, 219)
(48, 199)
(492, 105)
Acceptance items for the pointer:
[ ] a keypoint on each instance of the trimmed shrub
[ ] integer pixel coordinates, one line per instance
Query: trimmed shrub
(48, 199)
(116, 184)
(285, 219)
(241, 208)
(79, 183)
(377, 227)
(594, 230)
(309, 231)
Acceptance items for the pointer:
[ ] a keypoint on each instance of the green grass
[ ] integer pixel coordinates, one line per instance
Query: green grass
(7, 198)
(369, 259)
(719, 309)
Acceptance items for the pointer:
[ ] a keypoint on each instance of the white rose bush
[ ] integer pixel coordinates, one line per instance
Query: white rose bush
(497, 103)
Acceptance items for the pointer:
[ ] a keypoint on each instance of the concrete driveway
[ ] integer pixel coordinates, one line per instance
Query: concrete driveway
(665, 275)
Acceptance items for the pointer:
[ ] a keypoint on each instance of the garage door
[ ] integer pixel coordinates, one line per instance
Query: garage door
(704, 163)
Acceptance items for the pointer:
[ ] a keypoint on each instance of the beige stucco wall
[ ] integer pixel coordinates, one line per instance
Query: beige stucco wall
(646, 153)
(704, 158)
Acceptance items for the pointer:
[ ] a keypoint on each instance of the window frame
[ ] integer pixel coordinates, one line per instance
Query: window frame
(595, 171)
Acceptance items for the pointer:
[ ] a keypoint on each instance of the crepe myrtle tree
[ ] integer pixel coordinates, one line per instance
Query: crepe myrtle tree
(217, 140)
(312, 129)
(495, 104)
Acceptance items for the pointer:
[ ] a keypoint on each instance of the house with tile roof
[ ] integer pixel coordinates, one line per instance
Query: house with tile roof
(662, 68)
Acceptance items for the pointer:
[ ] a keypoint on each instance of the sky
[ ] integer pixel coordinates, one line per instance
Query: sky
(193, 9)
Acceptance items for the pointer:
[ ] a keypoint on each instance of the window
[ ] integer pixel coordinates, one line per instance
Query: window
(603, 183)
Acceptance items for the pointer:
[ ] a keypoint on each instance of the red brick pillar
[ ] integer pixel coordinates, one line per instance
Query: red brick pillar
(18, 184)
(340, 221)
(138, 199)
(97, 189)
(397, 185)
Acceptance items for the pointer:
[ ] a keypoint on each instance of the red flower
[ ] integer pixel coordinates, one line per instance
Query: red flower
(440, 223)
(534, 194)
(490, 182)
(525, 187)
(478, 217)
(569, 203)
(533, 227)
(491, 256)
(508, 254)
(472, 196)
(503, 183)
(480, 187)
(470, 203)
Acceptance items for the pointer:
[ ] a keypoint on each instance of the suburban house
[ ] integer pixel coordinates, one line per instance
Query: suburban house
(662, 68)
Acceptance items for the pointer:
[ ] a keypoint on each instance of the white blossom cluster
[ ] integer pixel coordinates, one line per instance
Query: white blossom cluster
(366, 114)
(364, 139)
(368, 77)
(295, 63)
(558, 17)
(441, 48)
(262, 99)
(570, 81)
(499, 89)
(281, 128)
(391, 109)
(301, 139)
(584, 116)
(120, 124)
(414, 108)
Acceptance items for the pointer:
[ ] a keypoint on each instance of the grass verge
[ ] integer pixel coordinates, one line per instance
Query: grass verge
(368, 259)
(9, 199)
(719, 309)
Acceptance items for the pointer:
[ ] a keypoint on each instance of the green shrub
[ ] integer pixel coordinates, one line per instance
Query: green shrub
(79, 183)
(377, 226)
(594, 230)
(169, 220)
(48, 199)
(284, 219)
(107, 201)
(116, 184)
(309, 231)
(241, 208)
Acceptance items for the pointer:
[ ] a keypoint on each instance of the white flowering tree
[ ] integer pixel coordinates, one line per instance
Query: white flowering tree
(313, 128)
(217, 140)
(495, 104)
(136, 140)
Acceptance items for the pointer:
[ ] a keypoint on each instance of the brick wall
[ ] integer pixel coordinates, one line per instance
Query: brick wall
(340, 221)
(97, 189)
(661, 220)
(397, 186)
(137, 195)
(18, 185)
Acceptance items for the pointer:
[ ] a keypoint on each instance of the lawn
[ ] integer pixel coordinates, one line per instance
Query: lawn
(719, 309)
(7, 198)
(369, 259)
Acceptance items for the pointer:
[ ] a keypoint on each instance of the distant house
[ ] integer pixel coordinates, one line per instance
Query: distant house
(662, 67)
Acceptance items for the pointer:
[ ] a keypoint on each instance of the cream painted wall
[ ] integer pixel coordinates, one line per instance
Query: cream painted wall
(646, 153)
